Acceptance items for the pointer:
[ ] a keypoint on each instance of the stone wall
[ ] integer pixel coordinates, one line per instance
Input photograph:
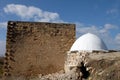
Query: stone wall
(96, 65)
(36, 48)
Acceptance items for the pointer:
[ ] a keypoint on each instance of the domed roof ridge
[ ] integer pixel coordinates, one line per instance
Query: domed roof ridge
(88, 42)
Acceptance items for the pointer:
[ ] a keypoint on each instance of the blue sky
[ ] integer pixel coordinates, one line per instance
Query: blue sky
(100, 17)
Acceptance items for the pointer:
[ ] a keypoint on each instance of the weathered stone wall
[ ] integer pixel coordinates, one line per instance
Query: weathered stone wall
(96, 65)
(37, 48)
(74, 59)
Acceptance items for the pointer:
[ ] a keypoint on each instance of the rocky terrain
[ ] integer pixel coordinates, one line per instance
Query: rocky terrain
(97, 66)
(104, 66)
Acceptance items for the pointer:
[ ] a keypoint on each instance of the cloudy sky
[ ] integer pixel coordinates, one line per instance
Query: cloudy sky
(100, 17)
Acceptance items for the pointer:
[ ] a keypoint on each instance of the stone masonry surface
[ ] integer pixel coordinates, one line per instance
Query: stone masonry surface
(37, 47)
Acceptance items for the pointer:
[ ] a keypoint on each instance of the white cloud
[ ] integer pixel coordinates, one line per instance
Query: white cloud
(31, 12)
(82, 28)
(108, 27)
(3, 25)
(91, 29)
(2, 47)
(113, 11)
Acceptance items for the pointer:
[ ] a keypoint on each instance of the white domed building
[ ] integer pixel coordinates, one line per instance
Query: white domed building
(89, 42)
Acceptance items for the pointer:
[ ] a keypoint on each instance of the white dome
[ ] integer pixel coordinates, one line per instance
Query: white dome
(88, 42)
